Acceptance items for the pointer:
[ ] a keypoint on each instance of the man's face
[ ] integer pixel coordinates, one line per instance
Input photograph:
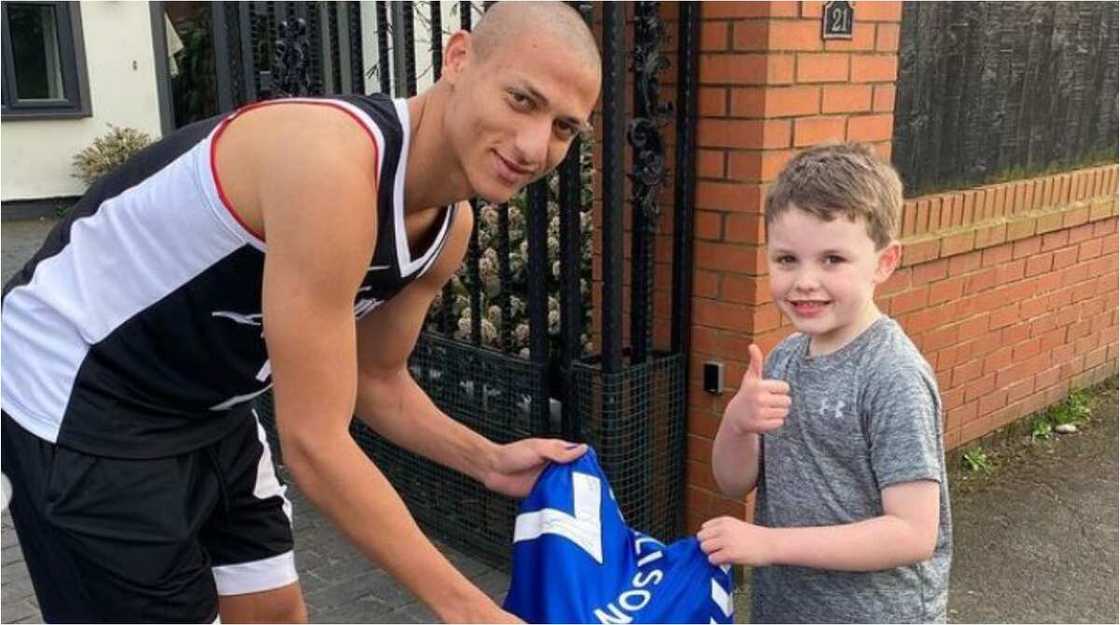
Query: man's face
(823, 275)
(512, 116)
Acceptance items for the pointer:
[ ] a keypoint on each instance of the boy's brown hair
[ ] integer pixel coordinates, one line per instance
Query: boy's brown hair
(840, 179)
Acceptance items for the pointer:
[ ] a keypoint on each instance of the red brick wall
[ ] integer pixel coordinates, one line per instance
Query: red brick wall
(1008, 289)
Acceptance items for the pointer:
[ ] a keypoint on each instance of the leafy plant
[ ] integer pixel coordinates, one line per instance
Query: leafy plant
(1075, 409)
(1041, 428)
(108, 151)
(975, 459)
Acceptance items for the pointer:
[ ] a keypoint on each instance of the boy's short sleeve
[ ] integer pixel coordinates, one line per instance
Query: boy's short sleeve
(904, 426)
(777, 361)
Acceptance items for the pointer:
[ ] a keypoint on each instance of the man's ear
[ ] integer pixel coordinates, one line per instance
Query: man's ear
(889, 258)
(456, 55)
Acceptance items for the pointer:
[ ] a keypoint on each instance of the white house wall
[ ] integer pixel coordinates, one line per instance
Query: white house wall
(120, 65)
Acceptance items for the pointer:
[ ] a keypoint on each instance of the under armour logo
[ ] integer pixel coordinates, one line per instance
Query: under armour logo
(837, 410)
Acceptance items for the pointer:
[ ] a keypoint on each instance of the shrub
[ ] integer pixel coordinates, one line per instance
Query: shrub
(108, 152)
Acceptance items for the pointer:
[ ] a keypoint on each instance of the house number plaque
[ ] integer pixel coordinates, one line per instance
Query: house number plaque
(837, 19)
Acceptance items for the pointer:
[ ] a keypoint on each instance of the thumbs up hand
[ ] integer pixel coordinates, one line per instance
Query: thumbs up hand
(760, 405)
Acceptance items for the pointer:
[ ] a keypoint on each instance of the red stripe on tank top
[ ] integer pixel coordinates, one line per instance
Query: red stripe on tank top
(214, 150)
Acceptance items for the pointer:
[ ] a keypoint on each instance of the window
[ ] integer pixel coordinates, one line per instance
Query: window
(44, 61)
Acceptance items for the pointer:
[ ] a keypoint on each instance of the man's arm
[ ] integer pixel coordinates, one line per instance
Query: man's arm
(316, 200)
(388, 399)
(395, 406)
(905, 533)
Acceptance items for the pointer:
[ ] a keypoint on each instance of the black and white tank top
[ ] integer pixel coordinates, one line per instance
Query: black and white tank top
(135, 331)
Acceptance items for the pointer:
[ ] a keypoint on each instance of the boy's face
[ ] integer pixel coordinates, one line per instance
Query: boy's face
(823, 275)
(513, 115)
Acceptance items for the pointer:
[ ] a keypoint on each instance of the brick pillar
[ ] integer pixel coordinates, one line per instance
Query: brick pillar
(770, 86)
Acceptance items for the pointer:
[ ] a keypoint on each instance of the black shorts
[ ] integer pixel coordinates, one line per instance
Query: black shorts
(115, 540)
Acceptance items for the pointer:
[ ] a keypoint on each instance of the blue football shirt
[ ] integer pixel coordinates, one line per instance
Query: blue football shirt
(576, 561)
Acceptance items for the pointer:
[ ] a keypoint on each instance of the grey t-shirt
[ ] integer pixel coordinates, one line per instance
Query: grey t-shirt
(862, 418)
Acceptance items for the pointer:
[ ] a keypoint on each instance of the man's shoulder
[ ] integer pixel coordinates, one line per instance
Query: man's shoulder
(308, 127)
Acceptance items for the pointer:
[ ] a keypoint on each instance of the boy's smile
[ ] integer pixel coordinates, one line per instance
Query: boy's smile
(808, 308)
(823, 275)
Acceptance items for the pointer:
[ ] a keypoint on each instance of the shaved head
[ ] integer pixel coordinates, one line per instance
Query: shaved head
(506, 20)
(515, 93)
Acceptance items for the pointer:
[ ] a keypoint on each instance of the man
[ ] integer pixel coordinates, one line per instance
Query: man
(135, 339)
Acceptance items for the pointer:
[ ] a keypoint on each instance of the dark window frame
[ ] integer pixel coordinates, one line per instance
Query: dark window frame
(72, 58)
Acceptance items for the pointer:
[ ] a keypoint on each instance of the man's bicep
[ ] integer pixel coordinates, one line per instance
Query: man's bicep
(317, 255)
(310, 340)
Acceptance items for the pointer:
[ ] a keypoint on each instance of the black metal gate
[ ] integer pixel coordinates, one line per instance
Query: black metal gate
(510, 348)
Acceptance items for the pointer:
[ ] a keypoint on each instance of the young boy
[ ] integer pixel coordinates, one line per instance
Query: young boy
(841, 429)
